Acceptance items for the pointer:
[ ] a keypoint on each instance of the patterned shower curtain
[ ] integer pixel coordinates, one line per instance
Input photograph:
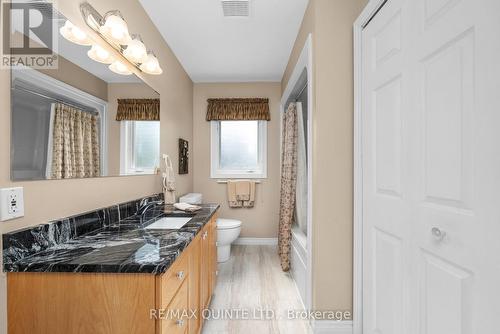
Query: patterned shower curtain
(288, 184)
(75, 143)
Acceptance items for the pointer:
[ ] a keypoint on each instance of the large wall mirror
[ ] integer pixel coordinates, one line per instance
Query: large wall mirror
(80, 119)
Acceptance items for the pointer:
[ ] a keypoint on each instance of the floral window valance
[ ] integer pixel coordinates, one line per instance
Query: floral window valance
(238, 109)
(138, 110)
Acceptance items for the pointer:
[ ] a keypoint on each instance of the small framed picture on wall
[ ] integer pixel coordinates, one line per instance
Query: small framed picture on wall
(183, 156)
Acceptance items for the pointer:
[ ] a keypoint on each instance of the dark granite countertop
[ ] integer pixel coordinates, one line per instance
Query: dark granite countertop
(121, 246)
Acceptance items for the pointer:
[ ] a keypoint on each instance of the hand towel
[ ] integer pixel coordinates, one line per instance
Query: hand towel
(187, 207)
(242, 190)
(251, 197)
(231, 195)
(241, 193)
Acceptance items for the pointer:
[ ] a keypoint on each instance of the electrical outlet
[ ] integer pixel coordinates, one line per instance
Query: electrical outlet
(11, 203)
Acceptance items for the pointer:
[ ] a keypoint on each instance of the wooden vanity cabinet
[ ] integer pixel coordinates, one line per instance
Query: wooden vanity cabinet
(208, 263)
(82, 303)
(172, 289)
(213, 254)
(199, 262)
(194, 286)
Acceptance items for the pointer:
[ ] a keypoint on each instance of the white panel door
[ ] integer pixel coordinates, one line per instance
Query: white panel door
(385, 173)
(431, 168)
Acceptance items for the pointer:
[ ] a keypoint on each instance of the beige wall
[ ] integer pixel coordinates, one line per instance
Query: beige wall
(307, 27)
(77, 77)
(262, 220)
(46, 200)
(71, 74)
(330, 22)
(121, 91)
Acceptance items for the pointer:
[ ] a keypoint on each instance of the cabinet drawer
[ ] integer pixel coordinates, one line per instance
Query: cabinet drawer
(176, 321)
(170, 282)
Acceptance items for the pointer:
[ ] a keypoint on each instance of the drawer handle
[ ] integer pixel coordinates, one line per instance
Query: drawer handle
(205, 235)
(179, 322)
(180, 275)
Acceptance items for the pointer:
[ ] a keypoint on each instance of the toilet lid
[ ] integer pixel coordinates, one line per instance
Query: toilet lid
(227, 223)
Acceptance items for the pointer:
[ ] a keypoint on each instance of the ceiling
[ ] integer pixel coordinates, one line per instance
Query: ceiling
(214, 48)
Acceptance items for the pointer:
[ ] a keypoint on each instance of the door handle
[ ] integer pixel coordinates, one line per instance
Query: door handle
(438, 234)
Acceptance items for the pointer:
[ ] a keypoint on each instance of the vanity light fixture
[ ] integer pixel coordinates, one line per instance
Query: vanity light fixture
(74, 34)
(114, 31)
(100, 54)
(151, 65)
(136, 51)
(120, 68)
(115, 28)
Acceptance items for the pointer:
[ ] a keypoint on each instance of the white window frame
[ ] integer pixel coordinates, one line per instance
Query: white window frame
(127, 132)
(216, 172)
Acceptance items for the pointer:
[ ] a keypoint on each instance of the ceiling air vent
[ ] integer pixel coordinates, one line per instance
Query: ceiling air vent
(234, 8)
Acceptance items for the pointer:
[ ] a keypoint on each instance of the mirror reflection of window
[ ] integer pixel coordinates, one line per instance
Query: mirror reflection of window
(141, 147)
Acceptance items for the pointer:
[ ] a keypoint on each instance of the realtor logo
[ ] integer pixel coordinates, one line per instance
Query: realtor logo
(29, 34)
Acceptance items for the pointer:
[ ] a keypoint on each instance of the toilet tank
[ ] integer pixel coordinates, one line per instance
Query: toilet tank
(191, 198)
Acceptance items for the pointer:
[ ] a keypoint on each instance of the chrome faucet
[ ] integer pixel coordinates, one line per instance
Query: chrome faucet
(144, 205)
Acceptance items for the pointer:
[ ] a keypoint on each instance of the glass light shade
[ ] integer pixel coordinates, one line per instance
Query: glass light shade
(74, 34)
(100, 54)
(115, 28)
(136, 51)
(120, 68)
(151, 65)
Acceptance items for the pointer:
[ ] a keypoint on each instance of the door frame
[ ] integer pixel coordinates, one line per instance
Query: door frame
(363, 19)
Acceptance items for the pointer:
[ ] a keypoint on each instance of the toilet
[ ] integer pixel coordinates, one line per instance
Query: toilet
(228, 230)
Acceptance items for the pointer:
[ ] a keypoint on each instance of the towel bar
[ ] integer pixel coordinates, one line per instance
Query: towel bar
(225, 181)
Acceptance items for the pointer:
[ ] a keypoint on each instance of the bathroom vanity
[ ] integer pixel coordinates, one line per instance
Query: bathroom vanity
(106, 272)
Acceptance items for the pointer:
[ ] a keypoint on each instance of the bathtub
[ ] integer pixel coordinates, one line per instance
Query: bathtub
(299, 261)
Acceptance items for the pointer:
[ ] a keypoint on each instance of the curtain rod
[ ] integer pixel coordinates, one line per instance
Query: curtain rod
(57, 100)
(301, 91)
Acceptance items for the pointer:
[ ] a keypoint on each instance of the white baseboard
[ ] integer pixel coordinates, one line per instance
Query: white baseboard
(331, 327)
(256, 241)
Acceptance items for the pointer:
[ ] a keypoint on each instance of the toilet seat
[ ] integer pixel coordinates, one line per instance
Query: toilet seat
(224, 224)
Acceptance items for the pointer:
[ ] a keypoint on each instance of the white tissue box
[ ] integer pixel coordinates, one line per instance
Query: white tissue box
(191, 198)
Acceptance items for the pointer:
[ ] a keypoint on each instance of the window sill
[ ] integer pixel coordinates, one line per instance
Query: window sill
(146, 172)
(238, 176)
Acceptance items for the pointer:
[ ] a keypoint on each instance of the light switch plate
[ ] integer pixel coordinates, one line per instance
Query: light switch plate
(11, 203)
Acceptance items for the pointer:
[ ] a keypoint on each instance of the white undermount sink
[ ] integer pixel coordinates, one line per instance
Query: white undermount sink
(168, 223)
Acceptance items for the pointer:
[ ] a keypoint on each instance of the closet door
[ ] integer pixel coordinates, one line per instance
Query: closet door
(386, 179)
(455, 136)
(431, 167)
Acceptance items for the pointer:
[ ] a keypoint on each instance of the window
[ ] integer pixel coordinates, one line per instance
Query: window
(140, 147)
(239, 149)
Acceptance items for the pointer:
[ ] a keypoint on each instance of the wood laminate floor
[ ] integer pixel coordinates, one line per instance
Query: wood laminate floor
(252, 280)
